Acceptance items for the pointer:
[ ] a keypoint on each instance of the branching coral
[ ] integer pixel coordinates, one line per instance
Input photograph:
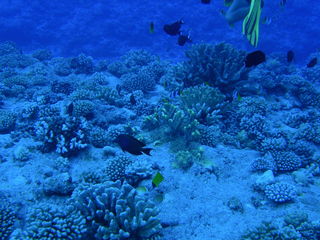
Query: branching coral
(218, 65)
(174, 122)
(203, 101)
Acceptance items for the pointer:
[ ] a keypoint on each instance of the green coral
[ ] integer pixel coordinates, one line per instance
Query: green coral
(115, 211)
(174, 122)
(219, 64)
(204, 101)
(185, 159)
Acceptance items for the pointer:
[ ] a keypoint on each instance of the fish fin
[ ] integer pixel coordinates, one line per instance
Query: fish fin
(147, 151)
(250, 26)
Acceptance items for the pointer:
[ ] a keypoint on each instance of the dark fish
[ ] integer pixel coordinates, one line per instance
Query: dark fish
(132, 145)
(133, 100)
(290, 56)
(151, 27)
(283, 2)
(205, 1)
(255, 58)
(173, 29)
(182, 39)
(312, 62)
(70, 109)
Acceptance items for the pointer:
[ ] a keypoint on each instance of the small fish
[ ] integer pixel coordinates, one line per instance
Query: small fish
(266, 20)
(132, 145)
(312, 62)
(205, 1)
(283, 3)
(69, 109)
(173, 29)
(183, 39)
(290, 56)
(255, 58)
(157, 179)
(133, 100)
(151, 27)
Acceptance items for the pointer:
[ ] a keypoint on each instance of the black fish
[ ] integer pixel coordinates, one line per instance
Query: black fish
(173, 29)
(132, 145)
(182, 39)
(290, 56)
(283, 2)
(133, 100)
(205, 1)
(312, 62)
(255, 58)
(151, 27)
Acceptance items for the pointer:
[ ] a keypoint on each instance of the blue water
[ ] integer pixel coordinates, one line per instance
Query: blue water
(111, 132)
(109, 29)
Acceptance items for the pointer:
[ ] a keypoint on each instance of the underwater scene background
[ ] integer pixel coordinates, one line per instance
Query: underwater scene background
(147, 120)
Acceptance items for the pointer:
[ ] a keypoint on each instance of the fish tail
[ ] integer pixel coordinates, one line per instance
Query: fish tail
(147, 151)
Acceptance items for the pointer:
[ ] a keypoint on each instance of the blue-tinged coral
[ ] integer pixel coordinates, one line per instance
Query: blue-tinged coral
(280, 192)
(116, 167)
(308, 95)
(61, 66)
(7, 121)
(83, 108)
(273, 144)
(296, 226)
(264, 163)
(63, 86)
(286, 161)
(42, 54)
(60, 184)
(51, 222)
(309, 132)
(131, 62)
(143, 80)
(248, 106)
(255, 126)
(98, 137)
(138, 171)
(217, 65)
(82, 64)
(116, 211)
(12, 57)
(210, 135)
(64, 135)
(7, 219)
(269, 75)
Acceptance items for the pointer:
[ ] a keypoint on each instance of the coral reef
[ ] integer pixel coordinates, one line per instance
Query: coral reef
(50, 222)
(217, 65)
(116, 168)
(280, 192)
(295, 226)
(174, 122)
(64, 135)
(7, 219)
(115, 211)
